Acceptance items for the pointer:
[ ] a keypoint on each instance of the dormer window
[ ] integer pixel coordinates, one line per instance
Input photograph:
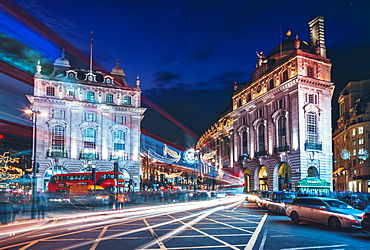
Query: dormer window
(50, 91)
(271, 83)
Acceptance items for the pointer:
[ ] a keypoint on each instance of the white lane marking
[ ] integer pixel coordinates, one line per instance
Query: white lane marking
(254, 237)
(155, 236)
(263, 240)
(314, 247)
(37, 235)
(97, 240)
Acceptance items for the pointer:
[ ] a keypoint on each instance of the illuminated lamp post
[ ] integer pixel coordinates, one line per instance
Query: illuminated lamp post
(33, 115)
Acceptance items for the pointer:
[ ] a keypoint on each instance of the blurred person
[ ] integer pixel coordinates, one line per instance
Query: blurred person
(120, 199)
(41, 203)
(15, 206)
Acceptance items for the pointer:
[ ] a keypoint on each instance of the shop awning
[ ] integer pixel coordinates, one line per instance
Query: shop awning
(313, 182)
(338, 170)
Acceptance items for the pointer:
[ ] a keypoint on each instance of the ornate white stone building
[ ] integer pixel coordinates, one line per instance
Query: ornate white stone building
(282, 116)
(86, 117)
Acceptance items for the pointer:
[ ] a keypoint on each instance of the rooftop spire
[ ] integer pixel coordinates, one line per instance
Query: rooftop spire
(91, 39)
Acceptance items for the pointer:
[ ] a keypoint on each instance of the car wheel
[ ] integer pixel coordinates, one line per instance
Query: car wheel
(294, 217)
(334, 223)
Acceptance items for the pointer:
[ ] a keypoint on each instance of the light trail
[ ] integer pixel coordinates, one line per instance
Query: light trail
(202, 214)
(190, 225)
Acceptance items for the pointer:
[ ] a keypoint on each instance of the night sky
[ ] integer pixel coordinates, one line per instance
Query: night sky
(189, 53)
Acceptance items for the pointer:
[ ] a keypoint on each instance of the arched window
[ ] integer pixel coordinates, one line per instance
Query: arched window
(50, 91)
(311, 124)
(89, 140)
(90, 96)
(312, 172)
(282, 134)
(127, 100)
(57, 140)
(261, 140)
(245, 142)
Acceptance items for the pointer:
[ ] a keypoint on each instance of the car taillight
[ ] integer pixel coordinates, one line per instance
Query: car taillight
(365, 216)
(322, 208)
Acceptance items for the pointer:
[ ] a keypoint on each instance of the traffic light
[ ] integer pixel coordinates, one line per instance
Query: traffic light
(36, 170)
(93, 172)
(115, 164)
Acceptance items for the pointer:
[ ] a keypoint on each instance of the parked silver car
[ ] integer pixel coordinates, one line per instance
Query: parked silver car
(328, 211)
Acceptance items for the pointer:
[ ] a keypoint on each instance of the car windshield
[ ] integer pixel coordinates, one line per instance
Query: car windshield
(337, 204)
(286, 196)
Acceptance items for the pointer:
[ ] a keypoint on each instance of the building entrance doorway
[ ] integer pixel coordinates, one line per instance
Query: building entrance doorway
(284, 175)
(263, 178)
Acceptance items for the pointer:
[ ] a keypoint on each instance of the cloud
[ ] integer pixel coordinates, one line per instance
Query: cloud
(164, 77)
(204, 53)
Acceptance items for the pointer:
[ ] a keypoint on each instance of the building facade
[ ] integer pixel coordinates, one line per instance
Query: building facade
(282, 116)
(351, 139)
(85, 119)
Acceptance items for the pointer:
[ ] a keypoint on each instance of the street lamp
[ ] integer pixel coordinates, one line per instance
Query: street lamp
(33, 115)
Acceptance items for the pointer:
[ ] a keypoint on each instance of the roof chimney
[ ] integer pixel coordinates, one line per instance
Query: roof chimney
(317, 34)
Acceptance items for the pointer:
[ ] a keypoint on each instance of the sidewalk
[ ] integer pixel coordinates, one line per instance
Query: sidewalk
(23, 224)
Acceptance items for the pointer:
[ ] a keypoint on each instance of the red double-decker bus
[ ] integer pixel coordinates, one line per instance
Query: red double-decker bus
(61, 183)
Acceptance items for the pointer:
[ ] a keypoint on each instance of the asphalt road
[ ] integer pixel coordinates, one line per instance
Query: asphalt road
(228, 223)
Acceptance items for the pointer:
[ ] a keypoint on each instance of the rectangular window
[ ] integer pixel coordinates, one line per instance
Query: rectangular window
(71, 93)
(58, 114)
(89, 138)
(260, 113)
(90, 96)
(341, 109)
(360, 130)
(127, 100)
(50, 91)
(310, 72)
(310, 98)
(244, 120)
(354, 152)
(360, 141)
(353, 142)
(281, 104)
(285, 75)
(109, 98)
(353, 132)
(90, 117)
(120, 119)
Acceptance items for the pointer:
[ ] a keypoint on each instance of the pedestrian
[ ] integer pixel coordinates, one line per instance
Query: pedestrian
(41, 203)
(121, 200)
(15, 206)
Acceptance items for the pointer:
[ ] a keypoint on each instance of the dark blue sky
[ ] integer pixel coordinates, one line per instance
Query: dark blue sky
(188, 53)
